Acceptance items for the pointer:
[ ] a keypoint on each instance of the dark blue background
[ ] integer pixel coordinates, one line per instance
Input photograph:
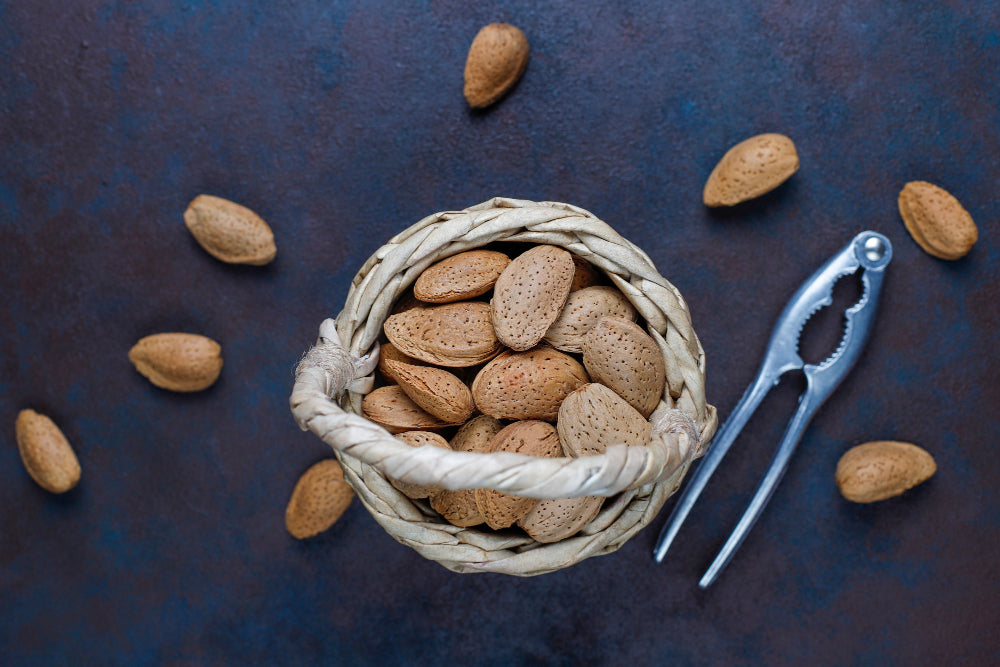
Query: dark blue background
(340, 124)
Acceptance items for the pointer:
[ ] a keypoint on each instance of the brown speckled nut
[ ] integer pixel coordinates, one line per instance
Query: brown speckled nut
(619, 354)
(435, 390)
(530, 294)
(230, 232)
(459, 507)
(453, 334)
(320, 497)
(419, 439)
(332, 383)
(497, 59)
(527, 385)
(532, 437)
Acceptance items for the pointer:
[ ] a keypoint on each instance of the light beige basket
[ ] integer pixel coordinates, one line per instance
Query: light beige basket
(335, 374)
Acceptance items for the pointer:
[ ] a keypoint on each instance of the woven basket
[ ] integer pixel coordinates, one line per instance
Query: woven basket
(335, 374)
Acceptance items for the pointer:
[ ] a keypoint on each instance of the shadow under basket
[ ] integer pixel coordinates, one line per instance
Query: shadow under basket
(335, 374)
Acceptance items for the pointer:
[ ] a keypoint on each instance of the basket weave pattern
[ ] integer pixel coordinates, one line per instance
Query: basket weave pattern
(334, 376)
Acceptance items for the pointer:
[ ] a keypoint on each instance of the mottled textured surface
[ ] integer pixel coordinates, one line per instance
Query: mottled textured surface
(341, 123)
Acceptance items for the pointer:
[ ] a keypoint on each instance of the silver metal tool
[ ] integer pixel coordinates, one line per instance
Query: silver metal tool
(868, 251)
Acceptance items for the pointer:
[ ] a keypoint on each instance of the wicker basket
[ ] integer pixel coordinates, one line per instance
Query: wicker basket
(335, 374)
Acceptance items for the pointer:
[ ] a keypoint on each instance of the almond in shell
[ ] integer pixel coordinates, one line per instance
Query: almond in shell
(320, 497)
(527, 385)
(583, 309)
(178, 361)
(419, 439)
(882, 469)
(460, 277)
(497, 59)
(452, 334)
(435, 390)
(619, 354)
(407, 302)
(555, 519)
(535, 438)
(594, 417)
(388, 352)
(530, 294)
(45, 452)
(459, 507)
(936, 220)
(584, 274)
(230, 232)
(751, 168)
(393, 410)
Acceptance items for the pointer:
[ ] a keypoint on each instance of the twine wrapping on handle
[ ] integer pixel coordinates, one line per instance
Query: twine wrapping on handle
(333, 377)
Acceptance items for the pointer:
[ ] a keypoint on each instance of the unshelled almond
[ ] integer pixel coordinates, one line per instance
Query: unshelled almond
(407, 301)
(555, 519)
(936, 220)
(751, 168)
(230, 232)
(419, 439)
(46, 453)
(530, 294)
(178, 361)
(393, 410)
(459, 507)
(388, 352)
(619, 354)
(452, 334)
(437, 391)
(527, 385)
(583, 309)
(320, 498)
(882, 469)
(534, 438)
(497, 59)
(584, 274)
(594, 417)
(460, 277)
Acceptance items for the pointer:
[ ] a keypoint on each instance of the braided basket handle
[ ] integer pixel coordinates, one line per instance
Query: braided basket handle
(330, 376)
(327, 371)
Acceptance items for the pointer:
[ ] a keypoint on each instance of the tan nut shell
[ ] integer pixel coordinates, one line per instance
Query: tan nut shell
(583, 309)
(393, 410)
(584, 274)
(936, 220)
(552, 520)
(619, 354)
(46, 453)
(751, 168)
(535, 438)
(178, 361)
(388, 352)
(320, 498)
(530, 294)
(230, 232)
(419, 439)
(435, 390)
(459, 277)
(407, 302)
(527, 385)
(882, 469)
(453, 334)
(497, 59)
(594, 417)
(459, 507)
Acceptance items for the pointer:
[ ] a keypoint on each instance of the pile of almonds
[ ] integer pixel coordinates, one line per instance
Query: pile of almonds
(528, 355)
